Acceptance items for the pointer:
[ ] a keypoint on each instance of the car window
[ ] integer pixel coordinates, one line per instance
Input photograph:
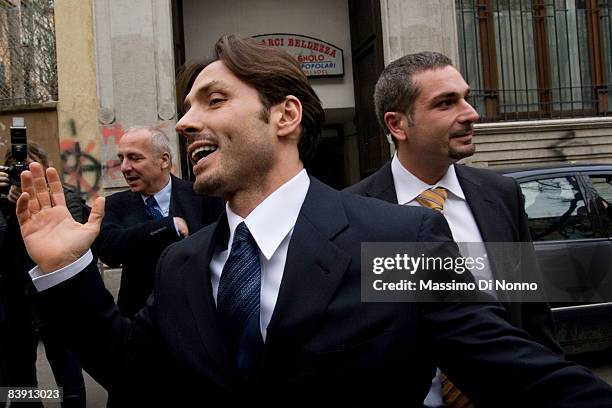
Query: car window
(602, 200)
(603, 185)
(555, 209)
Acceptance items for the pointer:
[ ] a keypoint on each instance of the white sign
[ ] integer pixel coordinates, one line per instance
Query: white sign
(318, 58)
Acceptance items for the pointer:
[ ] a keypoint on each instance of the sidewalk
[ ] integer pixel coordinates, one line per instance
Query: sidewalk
(96, 395)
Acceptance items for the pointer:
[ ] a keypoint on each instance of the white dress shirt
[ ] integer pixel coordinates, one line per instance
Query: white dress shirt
(162, 197)
(462, 225)
(271, 224)
(456, 209)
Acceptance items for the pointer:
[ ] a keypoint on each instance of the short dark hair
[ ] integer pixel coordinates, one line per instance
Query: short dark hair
(395, 89)
(273, 73)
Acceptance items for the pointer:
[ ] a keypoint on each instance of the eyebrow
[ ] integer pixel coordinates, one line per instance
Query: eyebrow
(450, 94)
(128, 154)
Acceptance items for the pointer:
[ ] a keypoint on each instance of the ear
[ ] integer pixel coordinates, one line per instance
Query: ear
(289, 116)
(165, 160)
(397, 123)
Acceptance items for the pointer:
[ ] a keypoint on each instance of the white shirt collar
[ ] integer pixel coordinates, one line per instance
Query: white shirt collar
(163, 197)
(275, 217)
(408, 186)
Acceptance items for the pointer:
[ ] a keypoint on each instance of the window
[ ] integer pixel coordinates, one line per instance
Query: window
(556, 210)
(603, 185)
(601, 201)
(27, 51)
(536, 59)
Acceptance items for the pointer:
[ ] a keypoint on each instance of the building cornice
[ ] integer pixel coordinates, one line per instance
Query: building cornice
(543, 125)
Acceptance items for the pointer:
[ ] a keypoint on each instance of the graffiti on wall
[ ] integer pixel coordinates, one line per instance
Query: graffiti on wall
(561, 145)
(114, 132)
(111, 135)
(81, 166)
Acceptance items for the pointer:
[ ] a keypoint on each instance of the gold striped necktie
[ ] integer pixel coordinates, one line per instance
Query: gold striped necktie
(451, 395)
(433, 198)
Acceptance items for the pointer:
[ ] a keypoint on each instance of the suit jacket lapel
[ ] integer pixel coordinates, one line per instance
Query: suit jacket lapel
(183, 203)
(197, 284)
(486, 210)
(314, 268)
(135, 201)
(487, 213)
(175, 207)
(382, 186)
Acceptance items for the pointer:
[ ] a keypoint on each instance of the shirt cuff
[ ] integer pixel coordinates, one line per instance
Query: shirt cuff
(176, 227)
(43, 281)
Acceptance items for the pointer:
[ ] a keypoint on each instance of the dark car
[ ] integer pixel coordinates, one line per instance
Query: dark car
(569, 208)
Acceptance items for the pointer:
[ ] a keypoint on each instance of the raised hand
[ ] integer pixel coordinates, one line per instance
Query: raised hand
(4, 178)
(51, 236)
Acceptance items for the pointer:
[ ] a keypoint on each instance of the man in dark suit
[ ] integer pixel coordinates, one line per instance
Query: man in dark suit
(421, 102)
(264, 306)
(158, 210)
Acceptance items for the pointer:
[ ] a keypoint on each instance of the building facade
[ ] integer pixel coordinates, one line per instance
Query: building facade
(539, 71)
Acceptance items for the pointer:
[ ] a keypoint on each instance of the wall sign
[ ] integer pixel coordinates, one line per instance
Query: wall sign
(318, 58)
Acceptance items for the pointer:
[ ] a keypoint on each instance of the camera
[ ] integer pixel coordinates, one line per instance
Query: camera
(19, 152)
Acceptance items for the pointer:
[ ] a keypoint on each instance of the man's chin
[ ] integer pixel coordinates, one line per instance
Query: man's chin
(208, 187)
(462, 153)
(135, 188)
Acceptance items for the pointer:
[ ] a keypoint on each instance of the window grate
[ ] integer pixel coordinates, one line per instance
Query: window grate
(536, 59)
(28, 68)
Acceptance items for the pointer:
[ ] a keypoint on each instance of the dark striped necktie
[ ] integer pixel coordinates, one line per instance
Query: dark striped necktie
(153, 209)
(238, 300)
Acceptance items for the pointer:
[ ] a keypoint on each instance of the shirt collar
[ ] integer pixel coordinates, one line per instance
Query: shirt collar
(271, 221)
(163, 196)
(408, 186)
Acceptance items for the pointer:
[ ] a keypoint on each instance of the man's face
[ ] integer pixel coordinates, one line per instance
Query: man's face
(145, 170)
(441, 128)
(230, 142)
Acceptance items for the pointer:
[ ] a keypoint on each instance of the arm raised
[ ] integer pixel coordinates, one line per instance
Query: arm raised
(51, 236)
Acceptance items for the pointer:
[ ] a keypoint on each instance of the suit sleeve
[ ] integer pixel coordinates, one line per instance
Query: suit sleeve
(118, 243)
(111, 348)
(495, 363)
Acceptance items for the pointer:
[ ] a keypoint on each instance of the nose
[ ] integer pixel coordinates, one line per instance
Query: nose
(125, 165)
(188, 126)
(469, 114)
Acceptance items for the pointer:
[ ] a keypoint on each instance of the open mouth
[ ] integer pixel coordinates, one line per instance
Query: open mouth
(201, 152)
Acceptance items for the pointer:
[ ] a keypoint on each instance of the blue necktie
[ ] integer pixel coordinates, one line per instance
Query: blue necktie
(152, 208)
(238, 300)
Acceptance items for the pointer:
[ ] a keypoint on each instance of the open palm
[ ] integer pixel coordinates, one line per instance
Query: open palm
(52, 237)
